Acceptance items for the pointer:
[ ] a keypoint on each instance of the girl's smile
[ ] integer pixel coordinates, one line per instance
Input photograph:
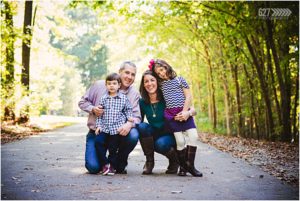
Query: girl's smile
(161, 71)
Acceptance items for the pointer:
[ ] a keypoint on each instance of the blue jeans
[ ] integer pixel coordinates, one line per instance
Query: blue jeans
(163, 141)
(106, 141)
(93, 162)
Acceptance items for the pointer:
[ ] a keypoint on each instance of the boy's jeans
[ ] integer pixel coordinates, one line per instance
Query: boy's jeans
(92, 161)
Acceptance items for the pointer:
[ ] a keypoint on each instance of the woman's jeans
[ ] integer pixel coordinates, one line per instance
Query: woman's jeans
(92, 160)
(162, 141)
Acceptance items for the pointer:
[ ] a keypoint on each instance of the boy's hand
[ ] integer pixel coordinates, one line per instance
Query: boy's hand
(130, 119)
(97, 131)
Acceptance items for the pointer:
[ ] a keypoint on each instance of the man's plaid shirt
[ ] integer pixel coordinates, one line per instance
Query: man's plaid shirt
(117, 110)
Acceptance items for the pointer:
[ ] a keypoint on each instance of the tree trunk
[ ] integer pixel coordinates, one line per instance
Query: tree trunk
(262, 85)
(226, 101)
(253, 113)
(269, 64)
(285, 99)
(234, 71)
(26, 44)
(211, 88)
(7, 82)
(226, 90)
(25, 76)
(295, 124)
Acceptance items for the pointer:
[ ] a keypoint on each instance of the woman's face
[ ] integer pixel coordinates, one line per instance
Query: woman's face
(150, 84)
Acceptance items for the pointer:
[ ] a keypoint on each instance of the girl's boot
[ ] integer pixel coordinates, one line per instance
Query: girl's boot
(190, 167)
(182, 162)
(173, 161)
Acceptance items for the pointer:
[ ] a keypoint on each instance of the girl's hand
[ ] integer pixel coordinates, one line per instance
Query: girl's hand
(97, 131)
(182, 116)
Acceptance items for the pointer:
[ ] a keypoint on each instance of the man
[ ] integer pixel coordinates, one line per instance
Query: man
(130, 136)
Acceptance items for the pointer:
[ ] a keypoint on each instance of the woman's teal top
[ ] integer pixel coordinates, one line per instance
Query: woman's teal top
(154, 113)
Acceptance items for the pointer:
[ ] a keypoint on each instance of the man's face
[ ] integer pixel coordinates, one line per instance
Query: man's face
(127, 76)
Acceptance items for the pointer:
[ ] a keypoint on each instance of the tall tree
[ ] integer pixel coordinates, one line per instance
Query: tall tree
(8, 36)
(27, 31)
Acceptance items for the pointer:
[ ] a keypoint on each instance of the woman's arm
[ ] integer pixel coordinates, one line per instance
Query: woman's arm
(188, 99)
(187, 110)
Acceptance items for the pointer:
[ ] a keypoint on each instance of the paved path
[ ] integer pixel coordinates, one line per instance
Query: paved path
(51, 166)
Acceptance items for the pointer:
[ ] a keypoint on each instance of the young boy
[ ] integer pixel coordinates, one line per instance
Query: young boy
(117, 111)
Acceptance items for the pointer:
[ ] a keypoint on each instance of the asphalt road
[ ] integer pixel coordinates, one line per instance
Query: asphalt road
(50, 166)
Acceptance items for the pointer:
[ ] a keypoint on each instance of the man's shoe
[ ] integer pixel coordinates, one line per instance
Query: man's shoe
(121, 171)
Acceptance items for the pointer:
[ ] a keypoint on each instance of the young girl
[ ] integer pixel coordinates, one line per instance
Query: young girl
(179, 119)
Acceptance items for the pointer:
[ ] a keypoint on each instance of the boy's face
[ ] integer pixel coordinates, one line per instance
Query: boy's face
(113, 86)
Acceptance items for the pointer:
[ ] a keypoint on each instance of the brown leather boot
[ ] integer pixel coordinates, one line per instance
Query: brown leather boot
(173, 161)
(182, 162)
(190, 167)
(147, 144)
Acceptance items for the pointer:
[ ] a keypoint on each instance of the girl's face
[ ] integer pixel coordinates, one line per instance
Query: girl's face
(161, 71)
(150, 84)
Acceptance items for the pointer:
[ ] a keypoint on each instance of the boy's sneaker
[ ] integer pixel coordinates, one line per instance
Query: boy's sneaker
(111, 171)
(108, 170)
(105, 169)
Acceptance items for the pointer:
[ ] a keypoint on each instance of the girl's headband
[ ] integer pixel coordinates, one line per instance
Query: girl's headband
(151, 64)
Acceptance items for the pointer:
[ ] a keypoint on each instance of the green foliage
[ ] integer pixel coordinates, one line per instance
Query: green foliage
(193, 36)
(83, 41)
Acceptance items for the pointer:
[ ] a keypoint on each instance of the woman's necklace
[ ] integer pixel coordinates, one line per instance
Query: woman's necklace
(153, 103)
(153, 107)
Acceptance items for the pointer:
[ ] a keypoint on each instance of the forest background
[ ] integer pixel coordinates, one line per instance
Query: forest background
(241, 59)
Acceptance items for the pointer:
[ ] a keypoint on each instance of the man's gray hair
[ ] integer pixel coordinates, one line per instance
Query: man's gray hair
(129, 63)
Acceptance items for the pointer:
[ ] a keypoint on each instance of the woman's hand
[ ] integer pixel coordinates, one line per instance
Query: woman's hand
(184, 115)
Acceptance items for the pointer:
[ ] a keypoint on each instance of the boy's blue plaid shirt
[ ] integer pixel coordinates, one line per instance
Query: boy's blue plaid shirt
(117, 110)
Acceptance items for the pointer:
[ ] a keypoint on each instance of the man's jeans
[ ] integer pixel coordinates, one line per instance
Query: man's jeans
(162, 141)
(92, 161)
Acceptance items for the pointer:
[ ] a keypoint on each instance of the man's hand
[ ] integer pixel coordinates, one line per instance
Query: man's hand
(98, 110)
(97, 131)
(125, 128)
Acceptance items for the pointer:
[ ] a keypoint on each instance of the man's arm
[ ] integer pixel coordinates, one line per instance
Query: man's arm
(133, 97)
(88, 101)
(85, 102)
(136, 112)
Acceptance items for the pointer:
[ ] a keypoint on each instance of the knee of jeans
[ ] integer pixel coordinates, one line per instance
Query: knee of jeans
(144, 130)
(162, 146)
(133, 135)
(93, 168)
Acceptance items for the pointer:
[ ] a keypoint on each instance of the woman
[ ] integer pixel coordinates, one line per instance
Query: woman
(153, 136)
